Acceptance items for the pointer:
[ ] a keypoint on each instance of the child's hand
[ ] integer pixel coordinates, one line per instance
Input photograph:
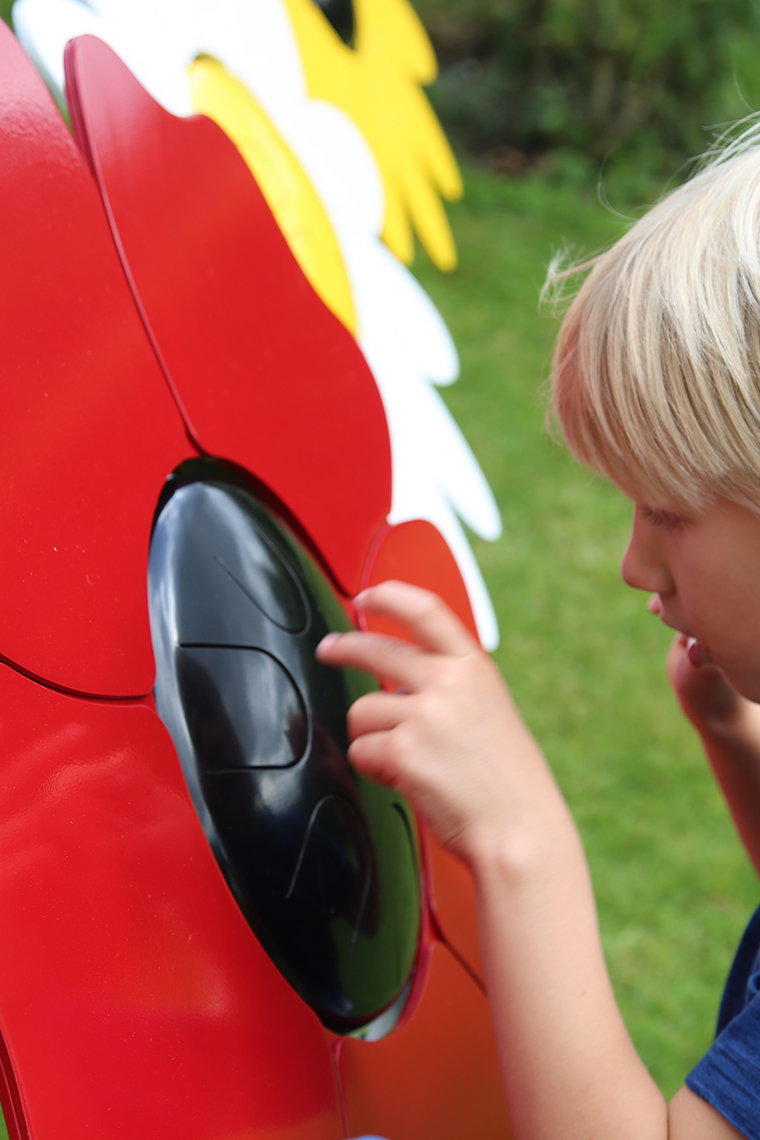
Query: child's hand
(709, 701)
(450, 738)
(729, 725)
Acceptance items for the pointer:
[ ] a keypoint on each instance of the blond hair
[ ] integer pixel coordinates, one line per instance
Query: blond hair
(656, 373)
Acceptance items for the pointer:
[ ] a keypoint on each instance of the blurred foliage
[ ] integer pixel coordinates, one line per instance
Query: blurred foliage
(638, 85)
(5, 10)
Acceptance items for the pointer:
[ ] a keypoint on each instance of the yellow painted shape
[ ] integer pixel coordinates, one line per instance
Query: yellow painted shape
(283, 182)
(378, 83)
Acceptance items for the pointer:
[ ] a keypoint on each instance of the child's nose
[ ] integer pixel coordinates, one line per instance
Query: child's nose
(643, 568)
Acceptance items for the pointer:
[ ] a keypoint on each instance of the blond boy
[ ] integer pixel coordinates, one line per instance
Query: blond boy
(657, 386)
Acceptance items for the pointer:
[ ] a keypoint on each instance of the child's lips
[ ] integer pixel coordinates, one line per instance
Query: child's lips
(656, 606)
(697, 653)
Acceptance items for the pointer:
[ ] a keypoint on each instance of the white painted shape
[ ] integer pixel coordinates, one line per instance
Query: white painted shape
(256, 42)
(44, 27)
(342, 166)
(432, 455)
(419, 331)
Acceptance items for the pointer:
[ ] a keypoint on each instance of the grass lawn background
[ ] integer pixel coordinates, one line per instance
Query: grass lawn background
(584, 659)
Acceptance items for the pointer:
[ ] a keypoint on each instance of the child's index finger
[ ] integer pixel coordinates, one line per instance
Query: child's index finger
(426, 616)
(398, 661)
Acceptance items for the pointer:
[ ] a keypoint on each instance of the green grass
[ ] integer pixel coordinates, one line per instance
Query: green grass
(583, 657)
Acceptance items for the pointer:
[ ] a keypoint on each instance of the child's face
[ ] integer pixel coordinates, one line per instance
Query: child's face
(706, 571)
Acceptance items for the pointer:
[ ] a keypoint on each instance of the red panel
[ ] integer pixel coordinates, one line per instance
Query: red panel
(417, 552)
(436, 1078)
(266, 375)
(452, 901)
(88, 428)
(133, 997)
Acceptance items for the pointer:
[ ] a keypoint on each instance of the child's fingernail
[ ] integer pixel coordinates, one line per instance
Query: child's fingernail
(698, 655)
(328, 640)
(361, 597)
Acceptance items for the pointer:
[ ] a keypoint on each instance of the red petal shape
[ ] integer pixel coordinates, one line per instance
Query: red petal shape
(266, 376)
(135, 999)
(452, 902)
(417, 552)
(393, 1088)
(88, 428)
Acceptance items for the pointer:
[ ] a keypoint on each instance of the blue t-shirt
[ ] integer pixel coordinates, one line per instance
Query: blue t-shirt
(728, 1076)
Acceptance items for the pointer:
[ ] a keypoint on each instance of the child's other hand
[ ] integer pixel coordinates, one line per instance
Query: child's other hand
(709, 701)
(449, 738)
(729, 725)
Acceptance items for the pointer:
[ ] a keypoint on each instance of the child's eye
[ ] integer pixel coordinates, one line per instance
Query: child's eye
(661, 518)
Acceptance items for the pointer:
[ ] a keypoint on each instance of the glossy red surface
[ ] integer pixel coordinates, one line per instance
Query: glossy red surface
(88, 430)
(134, 999)
(417, 552)
(452, 903)
(267, 377)
(437, 1076)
